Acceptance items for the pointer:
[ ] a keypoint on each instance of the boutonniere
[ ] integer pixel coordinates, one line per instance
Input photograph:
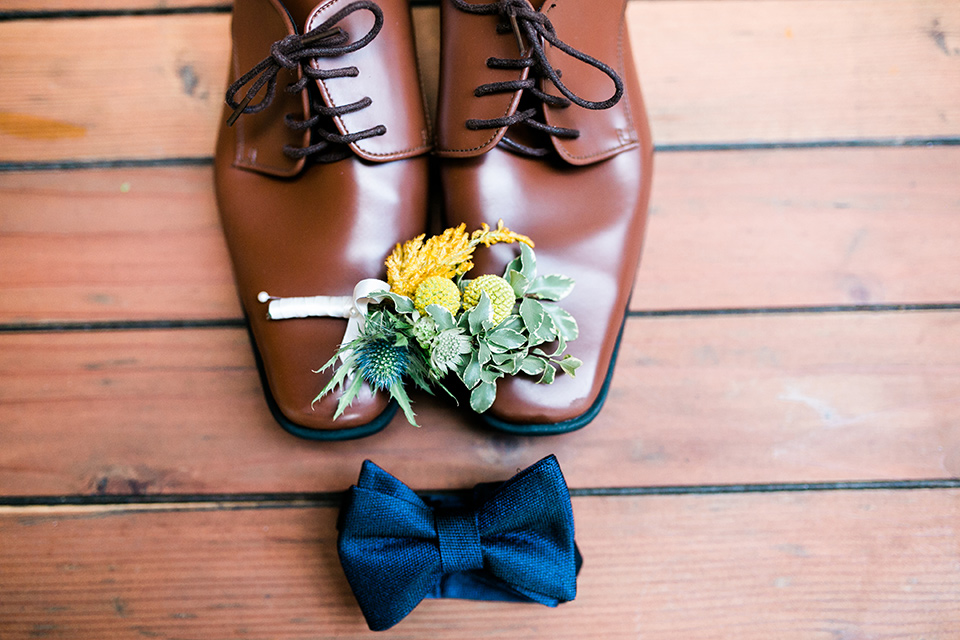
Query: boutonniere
(435, 322)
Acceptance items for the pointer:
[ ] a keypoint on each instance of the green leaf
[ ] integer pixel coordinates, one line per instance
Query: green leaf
(483, 396)
(513, 265)
(490, 376)
(532, 365)
(532, 314)
(398, 393)
(402, 304)
(483, 353)
(471, 374)
(518, 281)
(547, 331)
(347, 396)
(506, 338)
(333, 360)
(515, 363)
(442, 316)
(446, 391)
(512, 322)
(561, 347)
(553, 287)
(548, 375)
(528, 262)
(479, 314)
(495, 348)
(508, 363)
(535, 339)
(339, 374)
(565, 324)
(569, 364)
(419, 369)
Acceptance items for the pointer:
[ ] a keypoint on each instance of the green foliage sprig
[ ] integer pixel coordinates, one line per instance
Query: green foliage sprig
(519, 344)
(398, 343)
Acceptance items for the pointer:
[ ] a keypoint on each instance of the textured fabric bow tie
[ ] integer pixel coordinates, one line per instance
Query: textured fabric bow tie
(510, 541)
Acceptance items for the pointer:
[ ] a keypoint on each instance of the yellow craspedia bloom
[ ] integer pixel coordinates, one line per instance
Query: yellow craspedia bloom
(437, 290)
(497, 289)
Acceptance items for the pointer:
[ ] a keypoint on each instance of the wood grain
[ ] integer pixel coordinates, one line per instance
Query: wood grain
(697, 400)
(812, 566)
(712, 400)
(112, 244)
(746, 229)
(151, 86)
(802, 227)
(118, 87)
(785, 70)
(55, 6)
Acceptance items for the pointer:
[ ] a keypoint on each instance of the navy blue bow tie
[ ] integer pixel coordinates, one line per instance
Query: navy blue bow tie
(512, 541)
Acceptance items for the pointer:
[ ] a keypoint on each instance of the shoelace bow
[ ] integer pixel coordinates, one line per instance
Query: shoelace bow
(293, 51)
(533, 27)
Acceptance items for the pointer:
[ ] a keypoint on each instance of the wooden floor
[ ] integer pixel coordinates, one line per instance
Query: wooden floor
(780, 453)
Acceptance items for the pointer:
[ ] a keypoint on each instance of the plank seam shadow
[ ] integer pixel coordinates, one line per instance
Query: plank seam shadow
(74, 14)
(239, 323)
(122, 325)
(70, 14)
(826, 143)
(327, 499)
(799, 310)
(131, 163)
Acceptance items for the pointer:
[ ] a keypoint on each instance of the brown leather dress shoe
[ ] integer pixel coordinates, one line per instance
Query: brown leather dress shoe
(541, 123)
(319, 173)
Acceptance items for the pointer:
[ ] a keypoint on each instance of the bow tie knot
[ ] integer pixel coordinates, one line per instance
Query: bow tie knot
(459, 540)
(512, 541)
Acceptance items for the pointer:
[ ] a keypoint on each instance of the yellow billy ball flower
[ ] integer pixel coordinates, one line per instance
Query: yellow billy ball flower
(437, 290)
(497, 289)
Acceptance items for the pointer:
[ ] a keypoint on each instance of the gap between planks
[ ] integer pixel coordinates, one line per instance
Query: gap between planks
(208, 502)
(238, 323)
(713, 73)
(19, 9)
(747, 230)
(694, 401)
(811, 566)
(203, 161)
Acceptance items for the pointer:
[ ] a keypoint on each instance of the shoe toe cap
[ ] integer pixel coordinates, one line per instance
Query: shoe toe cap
(292, 352)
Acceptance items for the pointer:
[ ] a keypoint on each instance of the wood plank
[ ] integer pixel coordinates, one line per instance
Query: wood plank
(785, 70)
(745, 229)
(117, 87)
(802, 227)
(813, 565)
(112, 244)
(56, 6)
(709, 400)
(153, 89)
(714, 72)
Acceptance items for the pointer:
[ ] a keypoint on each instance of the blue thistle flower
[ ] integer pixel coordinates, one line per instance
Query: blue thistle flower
(381, 363)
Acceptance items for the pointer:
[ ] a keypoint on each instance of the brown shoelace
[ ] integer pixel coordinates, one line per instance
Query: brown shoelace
(533, 27)
(295, 51)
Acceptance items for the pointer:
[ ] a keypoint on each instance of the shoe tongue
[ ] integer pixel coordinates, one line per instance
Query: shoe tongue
(604, 132)
(387, 74)
(468, 41)
(259, 138)
(299, 10)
